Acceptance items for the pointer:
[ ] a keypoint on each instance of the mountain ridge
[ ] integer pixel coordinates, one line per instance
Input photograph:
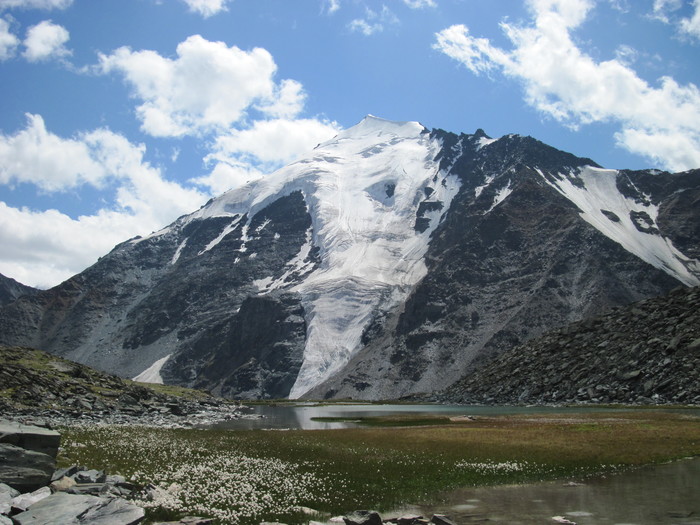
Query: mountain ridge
(388, 261)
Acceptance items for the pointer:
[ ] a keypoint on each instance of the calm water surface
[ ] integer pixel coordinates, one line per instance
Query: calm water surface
(302, 416)
(659, 495)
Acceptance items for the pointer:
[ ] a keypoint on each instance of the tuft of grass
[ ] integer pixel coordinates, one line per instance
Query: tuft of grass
(389, 421)
(246, 477)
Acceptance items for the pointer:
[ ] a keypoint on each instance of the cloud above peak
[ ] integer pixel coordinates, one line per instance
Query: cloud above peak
(46, 40)
(661, 122)
(208, 85)
(44, 247)
(207, 8)
(35, 4)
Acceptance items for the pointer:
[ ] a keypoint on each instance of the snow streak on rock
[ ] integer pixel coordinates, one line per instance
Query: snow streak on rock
(595, 192)
(152, 373)
(363, 189)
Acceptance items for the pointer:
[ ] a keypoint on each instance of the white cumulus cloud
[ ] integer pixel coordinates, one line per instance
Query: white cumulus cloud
(44, 247)
(35, 4)
(8, 41)
(691, 25)
(374, 21)
(420, 4)
(241, 156)
(331, 6)
(666, 11)
(207, 8)
(208, 86)
(46, 40)
(660, 122)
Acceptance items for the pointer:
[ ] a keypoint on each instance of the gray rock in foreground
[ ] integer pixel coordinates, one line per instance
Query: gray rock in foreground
(363, 517)
(69, 509)
(24, 470)
(27, 455)
(30, 437)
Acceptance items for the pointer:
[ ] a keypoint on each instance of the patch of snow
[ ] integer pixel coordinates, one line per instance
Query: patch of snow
(486, 184)
(152, 373)
(485, 141)
(244, 238)
(159, 233)
(263, 284)
(177, 253)
(501, 196)
(370, 255)
(297, 266)
(228, 229)
(599, 192)
(262, 226)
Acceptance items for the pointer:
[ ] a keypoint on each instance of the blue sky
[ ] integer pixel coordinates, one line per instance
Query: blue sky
(118, 116)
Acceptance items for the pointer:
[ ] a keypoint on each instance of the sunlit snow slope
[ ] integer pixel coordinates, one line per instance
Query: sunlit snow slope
(363, 190)
(384, 263)
(628, 221)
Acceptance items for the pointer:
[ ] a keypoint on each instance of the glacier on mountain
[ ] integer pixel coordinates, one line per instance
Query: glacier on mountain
(595, 192)
(385, 262)
(363, 190)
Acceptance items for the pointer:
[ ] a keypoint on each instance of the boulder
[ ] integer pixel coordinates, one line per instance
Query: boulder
(90, 476)
(24, 501)
(363, 517)
(69, 509)
(408, 519)
(27, 455)
(30, 437)
(25, 470)
(63, 484)
(441, 519)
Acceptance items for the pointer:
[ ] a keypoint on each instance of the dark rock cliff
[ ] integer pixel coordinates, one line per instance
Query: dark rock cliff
(648, 352)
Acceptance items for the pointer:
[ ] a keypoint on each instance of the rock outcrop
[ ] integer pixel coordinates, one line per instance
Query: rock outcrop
(27, 455)
(645, 353)
(11, 290)
(389, 261)
(35, 385)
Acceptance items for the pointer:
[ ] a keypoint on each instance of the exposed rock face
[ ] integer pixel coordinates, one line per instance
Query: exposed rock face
(36, 385)
(646, 353)
(27, 455)
(10, 290)
(79, 509)
(255, 354)
(390, 261)
(497, 277)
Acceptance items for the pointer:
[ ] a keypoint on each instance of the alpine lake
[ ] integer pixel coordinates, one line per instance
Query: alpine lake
(300, 462)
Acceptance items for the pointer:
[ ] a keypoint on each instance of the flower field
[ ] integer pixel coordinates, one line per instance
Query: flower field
(245, 477)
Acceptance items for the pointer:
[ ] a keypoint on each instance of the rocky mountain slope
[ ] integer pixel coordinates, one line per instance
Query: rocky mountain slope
(645, 353)
(36, 385)
(389, 261)
(11, 290)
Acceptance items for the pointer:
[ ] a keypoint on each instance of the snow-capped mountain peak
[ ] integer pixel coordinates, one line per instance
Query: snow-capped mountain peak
(384, 262)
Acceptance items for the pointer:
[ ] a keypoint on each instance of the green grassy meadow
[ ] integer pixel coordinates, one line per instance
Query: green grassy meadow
(252, 476)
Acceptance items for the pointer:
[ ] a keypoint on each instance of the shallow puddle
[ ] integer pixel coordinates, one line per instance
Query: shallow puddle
(666, 494)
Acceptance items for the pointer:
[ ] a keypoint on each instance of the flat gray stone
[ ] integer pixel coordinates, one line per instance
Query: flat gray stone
(69, 509)
(363, 517)
(24, 501)
(30, 437)
(25, 470)
(6, 489)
